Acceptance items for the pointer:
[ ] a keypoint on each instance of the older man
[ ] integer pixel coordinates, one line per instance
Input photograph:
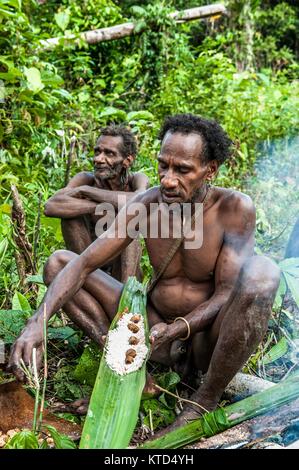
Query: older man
(75, 205)
(216, 297)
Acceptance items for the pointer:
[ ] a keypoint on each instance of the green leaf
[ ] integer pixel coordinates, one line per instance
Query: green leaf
(64, 333)
(161, 415)
(289, 263)
(138, 11)
(23, 440)
(293, 285)
(61, 441)
(37, 279)
(62, 19)
(34, 81)
(137, 115)
(276, 352)
(3, 248)
(280, 293)
(19, 302)
(87, 368)
(110, 111)
(66, 387)
(11, 324)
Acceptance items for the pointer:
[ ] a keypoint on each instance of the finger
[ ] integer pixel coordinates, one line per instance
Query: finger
(14, 364)
(27, 354)
(19, 374)
(151, 339)
(15, 356)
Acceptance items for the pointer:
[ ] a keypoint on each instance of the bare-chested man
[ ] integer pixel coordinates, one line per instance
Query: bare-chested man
(75, 205)
(222, 290)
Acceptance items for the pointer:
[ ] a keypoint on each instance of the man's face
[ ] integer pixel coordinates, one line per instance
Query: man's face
(181, 168)
(108, 159)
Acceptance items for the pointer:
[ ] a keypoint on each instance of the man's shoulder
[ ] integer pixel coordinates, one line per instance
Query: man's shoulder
(235, 201)
(148, 196)
(82, 178)
(236, 209)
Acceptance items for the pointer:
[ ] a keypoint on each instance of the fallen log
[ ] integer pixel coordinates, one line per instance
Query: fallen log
(253, 430)
(224, 418)
(127, 29)
(245, 385)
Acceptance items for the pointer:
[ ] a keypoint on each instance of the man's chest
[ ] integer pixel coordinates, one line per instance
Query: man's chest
(197, 264)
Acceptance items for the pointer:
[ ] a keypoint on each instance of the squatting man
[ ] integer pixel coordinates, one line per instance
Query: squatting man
(221, 291)
(75, 205)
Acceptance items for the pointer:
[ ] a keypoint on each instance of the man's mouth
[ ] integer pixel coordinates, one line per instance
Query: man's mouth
(170, 196)
(101, 168)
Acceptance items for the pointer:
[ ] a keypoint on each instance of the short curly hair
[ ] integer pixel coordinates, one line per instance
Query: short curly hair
(217, 145)
(129, 143)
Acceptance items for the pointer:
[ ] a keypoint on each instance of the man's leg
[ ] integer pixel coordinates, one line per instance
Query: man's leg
(130, 261)
(235, 334)
(94, 305)
(76, 234)
(92, 309)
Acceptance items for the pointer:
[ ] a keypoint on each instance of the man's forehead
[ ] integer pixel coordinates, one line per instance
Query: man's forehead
(187, 145)
(110, 140)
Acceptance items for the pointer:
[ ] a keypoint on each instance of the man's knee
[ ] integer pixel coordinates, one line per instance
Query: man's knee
(260, 277)
(55, 264)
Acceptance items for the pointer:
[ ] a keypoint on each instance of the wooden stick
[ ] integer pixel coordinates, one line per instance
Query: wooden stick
(24, 255)
(127, 29)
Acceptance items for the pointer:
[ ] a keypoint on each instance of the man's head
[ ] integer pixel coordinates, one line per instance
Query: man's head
(114, 152)
(192, 148)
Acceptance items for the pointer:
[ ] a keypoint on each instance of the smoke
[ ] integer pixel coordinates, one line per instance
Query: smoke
(275, 191)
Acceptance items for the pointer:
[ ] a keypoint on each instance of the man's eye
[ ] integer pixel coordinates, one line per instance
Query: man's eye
(183, 170)
(162, 165)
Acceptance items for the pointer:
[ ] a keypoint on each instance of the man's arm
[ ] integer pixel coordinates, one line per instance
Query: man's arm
(140, 182)
(79, 197)
(70, 279)
(67, 203)
(237, 246)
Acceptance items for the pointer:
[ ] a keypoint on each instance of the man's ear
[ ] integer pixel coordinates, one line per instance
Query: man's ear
(128, 161)
(212, 170)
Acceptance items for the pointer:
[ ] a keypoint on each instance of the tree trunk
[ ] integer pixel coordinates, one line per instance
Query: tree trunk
(127, 29)
(24, 255)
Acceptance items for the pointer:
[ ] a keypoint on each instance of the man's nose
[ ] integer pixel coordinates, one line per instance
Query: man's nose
(169, 181)
(99, 158)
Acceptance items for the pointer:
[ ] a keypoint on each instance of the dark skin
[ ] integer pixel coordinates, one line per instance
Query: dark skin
(75, 204)
(221, 288)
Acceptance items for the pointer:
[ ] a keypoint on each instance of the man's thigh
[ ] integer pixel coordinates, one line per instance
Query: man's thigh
(203, 343)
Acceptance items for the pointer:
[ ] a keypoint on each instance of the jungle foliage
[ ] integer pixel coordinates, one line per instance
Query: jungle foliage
(241, 70)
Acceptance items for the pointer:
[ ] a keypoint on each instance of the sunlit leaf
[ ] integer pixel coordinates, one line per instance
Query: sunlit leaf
(34, 80)
(276, 352)
(19, 302)
(62, 19)
(23, 440)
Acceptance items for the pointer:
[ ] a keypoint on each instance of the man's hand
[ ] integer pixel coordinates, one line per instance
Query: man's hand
(78, 193)
(31, 337)
(159, 335)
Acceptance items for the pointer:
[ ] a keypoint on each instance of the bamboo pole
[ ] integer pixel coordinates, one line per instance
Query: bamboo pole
(127, 29)
(225, 418)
